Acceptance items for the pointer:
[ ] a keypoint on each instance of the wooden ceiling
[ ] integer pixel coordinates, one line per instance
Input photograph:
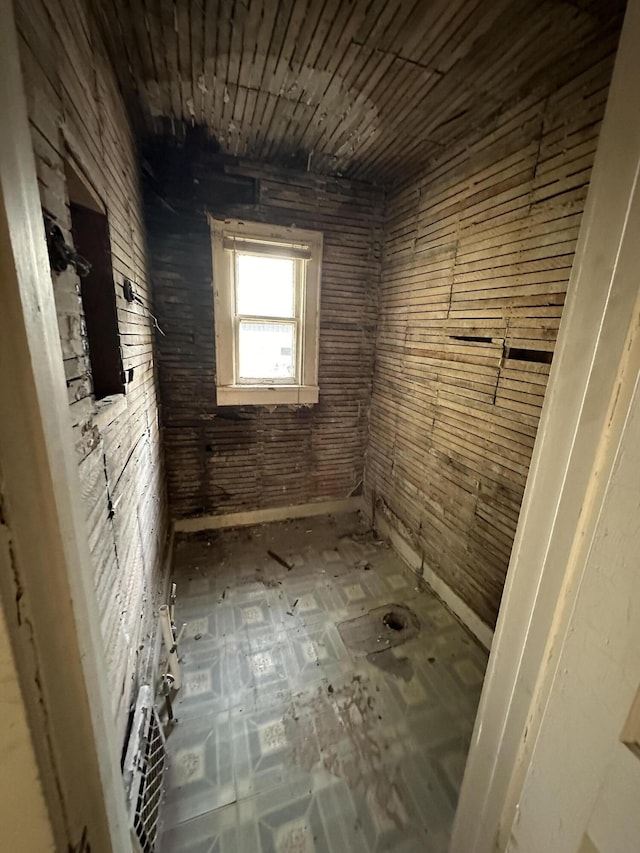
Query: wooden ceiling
(365, 88)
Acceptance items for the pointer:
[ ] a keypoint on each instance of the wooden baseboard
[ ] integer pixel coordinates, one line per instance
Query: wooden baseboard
(263, 516)
(167, 575)
(480, 630)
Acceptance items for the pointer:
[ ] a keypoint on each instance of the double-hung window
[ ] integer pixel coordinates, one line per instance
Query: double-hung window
(266, 282)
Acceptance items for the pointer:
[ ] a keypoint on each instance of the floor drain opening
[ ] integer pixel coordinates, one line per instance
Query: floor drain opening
(394, 621)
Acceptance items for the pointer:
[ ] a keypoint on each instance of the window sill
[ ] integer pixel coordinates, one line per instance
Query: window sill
(266, 395)
(108, 409)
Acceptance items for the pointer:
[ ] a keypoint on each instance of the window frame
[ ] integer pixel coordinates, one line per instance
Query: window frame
(304, 246)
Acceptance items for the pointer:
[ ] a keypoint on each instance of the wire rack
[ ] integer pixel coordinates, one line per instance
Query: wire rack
(143, 772)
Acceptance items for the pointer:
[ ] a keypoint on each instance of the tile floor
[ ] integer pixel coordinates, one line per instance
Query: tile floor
(290, 742)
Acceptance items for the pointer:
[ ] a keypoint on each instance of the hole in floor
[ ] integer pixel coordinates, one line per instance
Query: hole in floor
(381, 628)
(394, 620)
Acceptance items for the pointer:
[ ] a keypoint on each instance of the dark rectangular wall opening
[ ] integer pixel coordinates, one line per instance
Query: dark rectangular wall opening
(90, 229)
(474, 339)
(535, 355)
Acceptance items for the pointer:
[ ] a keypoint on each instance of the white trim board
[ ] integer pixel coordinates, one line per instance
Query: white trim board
(53, 625)
(570, 468)
(481, 631)
(264, 516)
(167, 574)
(472, 622)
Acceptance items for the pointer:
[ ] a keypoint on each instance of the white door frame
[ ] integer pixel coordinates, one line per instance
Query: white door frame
(580, 426)
(46, 578)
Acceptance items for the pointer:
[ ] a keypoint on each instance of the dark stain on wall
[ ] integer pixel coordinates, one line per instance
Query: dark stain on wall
(229, 459)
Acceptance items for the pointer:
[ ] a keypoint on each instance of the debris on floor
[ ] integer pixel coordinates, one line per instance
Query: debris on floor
(280, 560)
(327, 708)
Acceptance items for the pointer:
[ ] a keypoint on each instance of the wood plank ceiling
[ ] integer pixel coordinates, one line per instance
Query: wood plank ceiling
(370, 89)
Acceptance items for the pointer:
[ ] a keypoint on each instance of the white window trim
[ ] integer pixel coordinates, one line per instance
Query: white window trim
(229, 390)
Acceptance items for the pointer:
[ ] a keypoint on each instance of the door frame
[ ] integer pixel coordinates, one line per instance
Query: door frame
(580, 427)
(46, 582)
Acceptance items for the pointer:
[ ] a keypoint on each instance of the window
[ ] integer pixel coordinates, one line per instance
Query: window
(266, 301)
(90, 230)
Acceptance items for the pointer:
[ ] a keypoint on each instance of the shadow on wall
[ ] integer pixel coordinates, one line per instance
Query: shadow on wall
(230, 459)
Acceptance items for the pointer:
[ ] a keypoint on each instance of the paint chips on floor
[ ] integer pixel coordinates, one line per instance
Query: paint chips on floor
(290, 742)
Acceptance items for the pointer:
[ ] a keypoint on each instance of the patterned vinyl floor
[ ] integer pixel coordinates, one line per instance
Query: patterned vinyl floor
(290, 742)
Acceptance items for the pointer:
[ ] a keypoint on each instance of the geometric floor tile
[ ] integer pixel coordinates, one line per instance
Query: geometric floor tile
(287, 740)
(200, 774)
(264, 744)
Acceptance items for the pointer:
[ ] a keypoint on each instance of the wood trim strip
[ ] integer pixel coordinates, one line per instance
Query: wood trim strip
(480, 630)
(264, 516)
(257, 395)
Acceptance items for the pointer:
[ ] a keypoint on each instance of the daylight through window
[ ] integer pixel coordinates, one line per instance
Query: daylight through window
(266, 297)
(266, 307)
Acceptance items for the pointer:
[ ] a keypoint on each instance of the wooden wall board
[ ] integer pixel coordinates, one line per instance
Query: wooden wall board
(239, 459)
(447, 149)
(75, 104)
(477, 255)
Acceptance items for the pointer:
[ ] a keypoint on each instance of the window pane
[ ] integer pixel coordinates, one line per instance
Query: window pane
(265, 286)
(267, 350)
